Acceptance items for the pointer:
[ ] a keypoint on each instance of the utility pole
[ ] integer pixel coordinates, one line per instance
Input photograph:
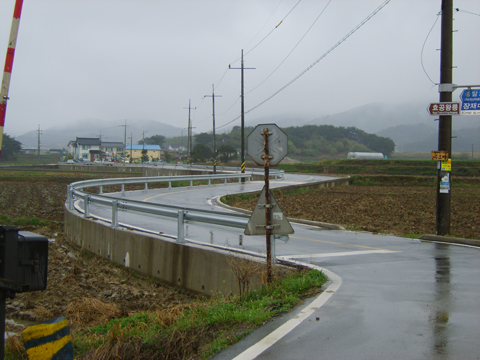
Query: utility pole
(131, 142)
(213, 116)
(124, 142)
(38, 141)
(445, 121)
(189, 142)
(242, 112)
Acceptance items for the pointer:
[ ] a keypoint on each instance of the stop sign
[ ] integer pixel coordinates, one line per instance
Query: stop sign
(277, 144)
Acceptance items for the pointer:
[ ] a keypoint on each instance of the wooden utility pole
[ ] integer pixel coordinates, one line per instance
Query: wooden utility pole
(242, 98)
(189, 142)
(445, 121)
(124, 142)
(213, 116)
(38, 141)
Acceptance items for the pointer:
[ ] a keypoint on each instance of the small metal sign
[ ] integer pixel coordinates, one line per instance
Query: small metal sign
(278, 144)
(279, 224)
(444, 108)
(439, 155)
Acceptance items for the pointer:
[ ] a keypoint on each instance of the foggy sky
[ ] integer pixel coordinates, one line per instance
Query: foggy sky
(116, 60)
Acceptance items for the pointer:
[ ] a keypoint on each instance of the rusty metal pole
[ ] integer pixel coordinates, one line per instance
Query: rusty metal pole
(267, 205)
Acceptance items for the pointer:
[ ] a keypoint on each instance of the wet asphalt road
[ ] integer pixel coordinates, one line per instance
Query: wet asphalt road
(399, 298)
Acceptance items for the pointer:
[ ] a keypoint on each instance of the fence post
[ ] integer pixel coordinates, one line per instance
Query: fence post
(69, 197)
(181, 232)
(115, 213)
(86, 205)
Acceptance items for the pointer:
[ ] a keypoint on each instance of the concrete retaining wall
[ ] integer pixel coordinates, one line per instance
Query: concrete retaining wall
(200, 270)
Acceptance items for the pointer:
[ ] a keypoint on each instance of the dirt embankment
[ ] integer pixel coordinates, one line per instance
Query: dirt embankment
(77, 282)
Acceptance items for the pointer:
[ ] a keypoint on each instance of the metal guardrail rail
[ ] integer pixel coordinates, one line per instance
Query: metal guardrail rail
(75, 191)
(277, 174)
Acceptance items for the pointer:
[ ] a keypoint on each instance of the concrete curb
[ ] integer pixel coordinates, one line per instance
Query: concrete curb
(451, 240)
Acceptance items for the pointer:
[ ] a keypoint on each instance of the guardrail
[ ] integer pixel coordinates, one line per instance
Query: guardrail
(75, 191)
(273, 172)
(277, 174)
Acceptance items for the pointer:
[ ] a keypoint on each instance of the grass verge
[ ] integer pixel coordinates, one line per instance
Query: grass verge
(190, 331)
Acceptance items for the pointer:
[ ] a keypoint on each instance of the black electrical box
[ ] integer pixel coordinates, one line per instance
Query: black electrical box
(23, 260)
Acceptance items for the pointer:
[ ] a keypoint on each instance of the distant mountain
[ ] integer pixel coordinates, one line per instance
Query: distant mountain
(405, 136)
(59, 136)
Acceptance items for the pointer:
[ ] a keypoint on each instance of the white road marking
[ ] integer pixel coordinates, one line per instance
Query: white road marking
(269, 340)
(335, 254)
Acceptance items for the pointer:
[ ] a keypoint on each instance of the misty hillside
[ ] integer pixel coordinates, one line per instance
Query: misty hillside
(408, 125)
(58, 137)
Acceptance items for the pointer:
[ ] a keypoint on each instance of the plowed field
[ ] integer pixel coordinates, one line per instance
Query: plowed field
(381, 209)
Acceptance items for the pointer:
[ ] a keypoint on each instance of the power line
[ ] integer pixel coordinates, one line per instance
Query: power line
(298, 43)
(281, 21)
(316, 61)
(421, 54)
(465, 11)
(266, 22)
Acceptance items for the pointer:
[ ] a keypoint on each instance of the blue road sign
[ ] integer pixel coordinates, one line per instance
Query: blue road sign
(470, 102)
(470, 95)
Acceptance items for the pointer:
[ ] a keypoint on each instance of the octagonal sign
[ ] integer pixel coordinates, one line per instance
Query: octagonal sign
(277, 144)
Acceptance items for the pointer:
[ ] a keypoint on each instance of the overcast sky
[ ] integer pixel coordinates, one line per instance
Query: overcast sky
(113, 60)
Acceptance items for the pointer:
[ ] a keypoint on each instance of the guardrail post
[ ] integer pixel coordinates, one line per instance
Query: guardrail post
(209, 183)
(169, 184)
(272, 248)
(100, 189)
(70, 197)
(146, 186)
(181, 231)
(191, 183)
(115, 213)
(86, 205)
(225, 181)
(123, 189)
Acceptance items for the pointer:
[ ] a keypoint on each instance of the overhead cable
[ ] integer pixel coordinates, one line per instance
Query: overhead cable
(280, 23)
(292, 49)
(421, 54)
(315, 62)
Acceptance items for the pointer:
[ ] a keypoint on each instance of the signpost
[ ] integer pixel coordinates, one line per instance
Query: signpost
(267, 145)
(444, 108)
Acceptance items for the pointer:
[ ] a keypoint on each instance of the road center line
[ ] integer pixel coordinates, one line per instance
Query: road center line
(336, 254)
(337, 243)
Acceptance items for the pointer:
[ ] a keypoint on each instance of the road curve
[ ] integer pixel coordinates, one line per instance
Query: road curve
(399, 298)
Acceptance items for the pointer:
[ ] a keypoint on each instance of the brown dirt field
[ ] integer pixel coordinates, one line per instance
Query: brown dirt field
(77, 282)
(396, 210)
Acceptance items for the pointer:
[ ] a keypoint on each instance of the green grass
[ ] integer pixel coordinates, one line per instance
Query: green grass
(382, 167)
(21, 221)
(216, 323)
